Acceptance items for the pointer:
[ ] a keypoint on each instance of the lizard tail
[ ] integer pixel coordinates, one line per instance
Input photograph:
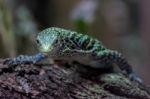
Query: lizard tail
(111, 56)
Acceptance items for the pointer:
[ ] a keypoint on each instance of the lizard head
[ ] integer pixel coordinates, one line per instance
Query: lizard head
(49, 41)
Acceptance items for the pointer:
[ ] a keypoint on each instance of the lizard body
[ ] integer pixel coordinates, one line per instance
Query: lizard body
(62, 44)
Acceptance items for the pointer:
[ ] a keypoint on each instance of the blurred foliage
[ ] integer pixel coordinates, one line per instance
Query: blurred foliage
(26, 25)
(83, 15)
(17, 29)
(6, 29)
(81, 26)
(25, 29)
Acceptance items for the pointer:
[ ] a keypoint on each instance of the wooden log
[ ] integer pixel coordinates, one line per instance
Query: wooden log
(50, 81)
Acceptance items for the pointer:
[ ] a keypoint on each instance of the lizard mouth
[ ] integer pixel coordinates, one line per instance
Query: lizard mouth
(46, 49)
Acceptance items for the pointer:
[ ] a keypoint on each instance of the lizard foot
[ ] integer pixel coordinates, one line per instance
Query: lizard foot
(135, 78)
(15, 61)
(24, 59)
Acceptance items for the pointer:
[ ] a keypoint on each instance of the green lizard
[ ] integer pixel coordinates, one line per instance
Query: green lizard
(62, 44)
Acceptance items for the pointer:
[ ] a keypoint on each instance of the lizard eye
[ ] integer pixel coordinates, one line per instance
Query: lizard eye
(37, 41)
(56, 41)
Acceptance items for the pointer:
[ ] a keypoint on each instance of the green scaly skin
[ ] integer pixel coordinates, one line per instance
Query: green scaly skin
(62, 44)
(70, 46)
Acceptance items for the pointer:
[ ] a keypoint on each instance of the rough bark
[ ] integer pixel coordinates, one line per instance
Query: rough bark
(45, 81)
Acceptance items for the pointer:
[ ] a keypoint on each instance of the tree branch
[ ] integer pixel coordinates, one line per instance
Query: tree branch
(58, 82)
